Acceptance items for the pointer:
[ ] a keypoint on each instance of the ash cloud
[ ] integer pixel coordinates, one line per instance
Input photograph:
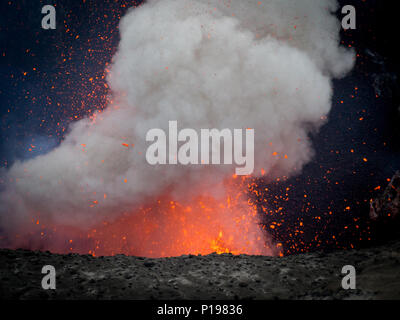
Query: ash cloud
(206, 64)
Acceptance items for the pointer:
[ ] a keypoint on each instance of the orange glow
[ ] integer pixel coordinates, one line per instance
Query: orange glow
(165, 228)
(169, 228)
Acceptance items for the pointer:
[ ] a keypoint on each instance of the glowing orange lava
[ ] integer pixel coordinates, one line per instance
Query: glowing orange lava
(167, 228)
(172, 229)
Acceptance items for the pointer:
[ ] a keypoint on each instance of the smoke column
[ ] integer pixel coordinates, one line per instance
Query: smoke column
(265, 65)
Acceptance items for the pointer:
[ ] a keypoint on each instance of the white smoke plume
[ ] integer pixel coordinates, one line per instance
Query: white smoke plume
(219, 64)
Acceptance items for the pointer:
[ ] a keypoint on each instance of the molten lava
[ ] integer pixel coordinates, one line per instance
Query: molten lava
(168, 228)
(171, 229)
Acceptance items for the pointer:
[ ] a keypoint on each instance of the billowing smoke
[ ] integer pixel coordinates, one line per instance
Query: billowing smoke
(265, 65)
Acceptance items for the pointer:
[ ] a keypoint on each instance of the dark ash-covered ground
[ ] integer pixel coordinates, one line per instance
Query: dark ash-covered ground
(306, 276)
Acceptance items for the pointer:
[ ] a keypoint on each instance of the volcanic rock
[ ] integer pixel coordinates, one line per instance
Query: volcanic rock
(388, 204)
(304, 276)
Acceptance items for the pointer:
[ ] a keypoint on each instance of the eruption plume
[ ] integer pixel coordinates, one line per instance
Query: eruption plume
(265, 65)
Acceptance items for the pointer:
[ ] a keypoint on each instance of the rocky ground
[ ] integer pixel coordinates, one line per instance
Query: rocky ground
(387, 206)
(306, 276)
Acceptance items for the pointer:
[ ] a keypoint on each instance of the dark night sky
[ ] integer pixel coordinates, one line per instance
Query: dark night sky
(52, 77)
(37, 106)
